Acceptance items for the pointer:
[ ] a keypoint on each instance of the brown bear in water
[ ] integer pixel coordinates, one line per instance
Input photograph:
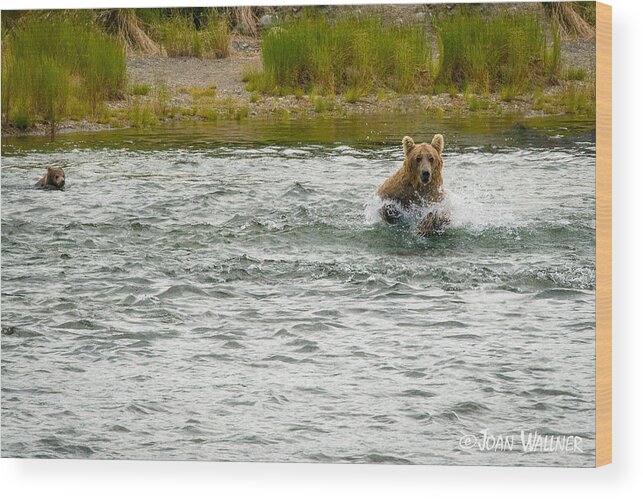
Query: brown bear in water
(418, 183)
(53, 179)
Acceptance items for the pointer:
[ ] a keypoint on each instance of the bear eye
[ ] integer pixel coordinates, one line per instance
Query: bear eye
(431, 159)
(418, 159)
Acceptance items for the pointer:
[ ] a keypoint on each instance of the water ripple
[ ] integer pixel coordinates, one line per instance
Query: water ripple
(226, 294)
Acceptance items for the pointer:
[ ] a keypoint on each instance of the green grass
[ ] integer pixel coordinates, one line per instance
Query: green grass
(248, 72)
(576, 74)
(587, 10)
(180, 37)
(140, 89)
(538, 99)
(579, 100)
(508, 93)
(216, 37)
(140, 114)
(552, 57)
(353, 95)
(22, 121)
(573, 98)
(54, 63)
(355, 52)
(240, 113)
(321, 104)
(491, 52)
(161, 99)
(435, 112)
(200, 92)
(207, 113)
(477, 103)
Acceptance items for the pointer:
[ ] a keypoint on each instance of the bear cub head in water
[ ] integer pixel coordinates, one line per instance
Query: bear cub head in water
(53, 179)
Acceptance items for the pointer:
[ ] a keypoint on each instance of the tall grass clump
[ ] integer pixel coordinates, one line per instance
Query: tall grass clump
(553, 60)
(180, 37)
(216, 36)
(349, 53)
(50, 64)
(576, 74)
(140, 89)
(102, 68)
(486, 53)
(580, 100)
(51, 88)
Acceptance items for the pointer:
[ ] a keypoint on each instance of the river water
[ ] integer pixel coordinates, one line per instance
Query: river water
(225, 292)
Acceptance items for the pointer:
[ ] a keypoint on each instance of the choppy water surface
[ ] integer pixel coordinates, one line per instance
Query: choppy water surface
(224, 293)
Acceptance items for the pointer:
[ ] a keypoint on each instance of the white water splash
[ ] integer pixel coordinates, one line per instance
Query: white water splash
(464, 212)
(477, 215)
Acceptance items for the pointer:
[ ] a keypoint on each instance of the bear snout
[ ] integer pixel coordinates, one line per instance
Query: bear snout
(426, 175)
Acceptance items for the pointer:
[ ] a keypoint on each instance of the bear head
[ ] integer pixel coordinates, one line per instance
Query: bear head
(424, 162)
(56, 177)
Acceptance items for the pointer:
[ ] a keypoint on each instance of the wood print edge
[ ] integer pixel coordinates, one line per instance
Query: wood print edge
(603, 234)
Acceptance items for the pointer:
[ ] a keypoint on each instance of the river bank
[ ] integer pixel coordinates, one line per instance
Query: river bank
(163, 89)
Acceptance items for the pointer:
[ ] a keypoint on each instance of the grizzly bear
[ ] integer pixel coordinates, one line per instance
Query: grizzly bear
(53, 179)
(417, 184)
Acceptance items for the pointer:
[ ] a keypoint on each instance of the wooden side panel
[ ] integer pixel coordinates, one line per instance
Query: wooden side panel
(603, 234)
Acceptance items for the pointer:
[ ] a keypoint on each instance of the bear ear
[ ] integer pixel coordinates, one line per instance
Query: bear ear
(438, 142)
(408, 144)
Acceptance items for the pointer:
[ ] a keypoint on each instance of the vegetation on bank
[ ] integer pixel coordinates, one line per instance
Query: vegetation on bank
(179, 35)
(506, 52)
(60, 65)
(57, 67)
(354, 54)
